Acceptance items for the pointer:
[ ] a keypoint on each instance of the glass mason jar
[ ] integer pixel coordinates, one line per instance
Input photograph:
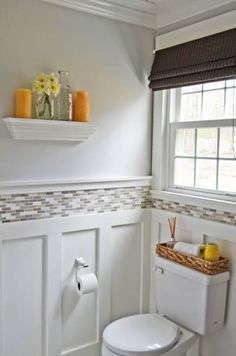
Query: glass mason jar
(212, 252)
(43, 106)
(65, 97)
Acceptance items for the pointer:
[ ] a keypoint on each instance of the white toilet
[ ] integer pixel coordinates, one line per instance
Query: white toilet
(189, 303)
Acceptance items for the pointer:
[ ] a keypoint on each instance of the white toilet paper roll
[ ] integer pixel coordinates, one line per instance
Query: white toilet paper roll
(87, 283)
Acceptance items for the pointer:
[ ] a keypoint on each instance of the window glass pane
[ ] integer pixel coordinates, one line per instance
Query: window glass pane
(214, 85)
(227, 142)
(213, 105)
(206, 174)
(184, 142)
(191, 107)
(205, 158)
(227, 176)
(184, 172)
(229, 107)
(230, 104)
(191, 88)
(207, 142)
(231, 82)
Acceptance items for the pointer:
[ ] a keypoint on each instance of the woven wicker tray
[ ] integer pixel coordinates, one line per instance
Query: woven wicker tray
(199, 264)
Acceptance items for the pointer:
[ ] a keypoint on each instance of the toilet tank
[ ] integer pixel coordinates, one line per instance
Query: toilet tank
(190, 298)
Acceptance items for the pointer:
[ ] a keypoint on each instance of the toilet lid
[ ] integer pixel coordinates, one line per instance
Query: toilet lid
(146, 334)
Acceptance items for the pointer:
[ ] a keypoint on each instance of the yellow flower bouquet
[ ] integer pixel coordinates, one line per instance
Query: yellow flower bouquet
(46, 88)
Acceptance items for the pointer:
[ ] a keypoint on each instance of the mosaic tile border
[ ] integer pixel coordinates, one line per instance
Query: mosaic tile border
(32, 206)
(195, 211)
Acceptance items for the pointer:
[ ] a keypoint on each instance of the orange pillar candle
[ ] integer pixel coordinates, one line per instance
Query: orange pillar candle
(24, 103)
(81, 106)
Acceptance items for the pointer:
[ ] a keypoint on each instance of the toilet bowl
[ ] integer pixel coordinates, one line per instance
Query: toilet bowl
(193, 301)
(146, 335)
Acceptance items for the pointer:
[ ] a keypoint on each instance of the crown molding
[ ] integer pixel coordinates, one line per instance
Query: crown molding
(138, 12)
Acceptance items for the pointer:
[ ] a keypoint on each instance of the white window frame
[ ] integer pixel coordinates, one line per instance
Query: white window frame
(161, 164)
(175, 96)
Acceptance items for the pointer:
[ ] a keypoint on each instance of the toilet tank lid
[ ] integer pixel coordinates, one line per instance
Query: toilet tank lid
(189, 273)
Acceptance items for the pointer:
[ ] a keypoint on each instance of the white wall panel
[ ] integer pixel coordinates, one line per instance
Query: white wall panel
(130, 269)
(40, 311)
(79, 314)
(223, 342)
(23, 291)
(126, 270)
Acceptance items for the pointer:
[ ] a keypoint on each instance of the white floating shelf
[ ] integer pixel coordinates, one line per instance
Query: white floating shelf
(49, 130)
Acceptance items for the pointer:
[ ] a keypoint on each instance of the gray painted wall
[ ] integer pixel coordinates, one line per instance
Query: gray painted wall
(110, 59)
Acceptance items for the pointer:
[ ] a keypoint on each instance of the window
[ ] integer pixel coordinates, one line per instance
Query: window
(202, 138)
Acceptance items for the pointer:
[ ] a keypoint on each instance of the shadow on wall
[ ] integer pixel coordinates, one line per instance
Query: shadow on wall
(70, 297)
(137, 52)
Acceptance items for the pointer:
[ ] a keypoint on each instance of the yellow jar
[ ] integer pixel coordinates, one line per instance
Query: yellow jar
(212, 252)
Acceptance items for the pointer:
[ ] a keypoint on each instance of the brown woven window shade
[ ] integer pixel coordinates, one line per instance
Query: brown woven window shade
(204, 60)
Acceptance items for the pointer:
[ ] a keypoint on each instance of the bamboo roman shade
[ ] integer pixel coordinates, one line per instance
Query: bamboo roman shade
(204, 60)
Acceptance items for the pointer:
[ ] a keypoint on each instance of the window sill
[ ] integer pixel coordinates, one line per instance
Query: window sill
(203, 202)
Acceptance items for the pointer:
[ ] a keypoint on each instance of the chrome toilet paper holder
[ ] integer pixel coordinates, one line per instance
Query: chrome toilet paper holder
(79, 264)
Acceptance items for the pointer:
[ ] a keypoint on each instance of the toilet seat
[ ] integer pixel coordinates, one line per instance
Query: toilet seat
(146, 334)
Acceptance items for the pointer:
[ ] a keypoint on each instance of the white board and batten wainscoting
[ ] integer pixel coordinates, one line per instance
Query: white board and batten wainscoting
(41, 313)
